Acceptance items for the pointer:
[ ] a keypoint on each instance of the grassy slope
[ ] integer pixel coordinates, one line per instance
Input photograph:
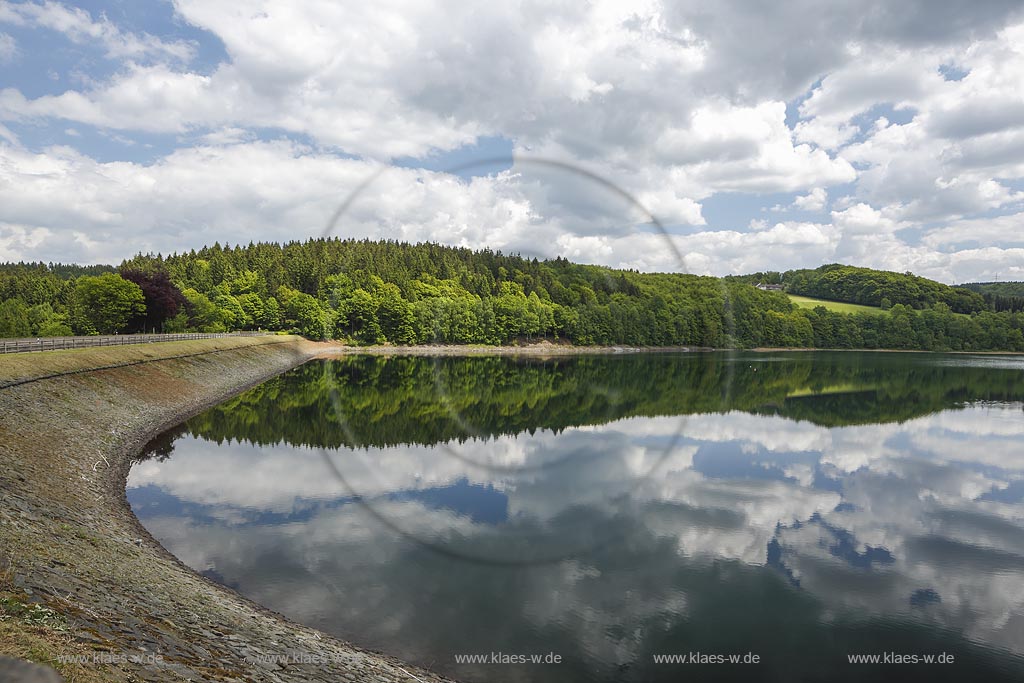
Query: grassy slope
(837, 306)
(17, 366)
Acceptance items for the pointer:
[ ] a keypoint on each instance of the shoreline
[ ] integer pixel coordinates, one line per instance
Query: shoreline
(768, 349)
(542, 349)
(83, 586)
(71, 548)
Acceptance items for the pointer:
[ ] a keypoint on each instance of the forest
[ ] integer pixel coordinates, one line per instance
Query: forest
(1000, 296)
(869, 287)
(375, 292)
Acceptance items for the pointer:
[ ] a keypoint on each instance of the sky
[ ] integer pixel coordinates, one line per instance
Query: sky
(686, 136)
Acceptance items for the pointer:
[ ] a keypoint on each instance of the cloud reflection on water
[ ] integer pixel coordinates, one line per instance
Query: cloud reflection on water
(876, 521)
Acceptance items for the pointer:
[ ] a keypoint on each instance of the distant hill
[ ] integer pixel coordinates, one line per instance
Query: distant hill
(1000, 296)
(998, 288)
(869, 287)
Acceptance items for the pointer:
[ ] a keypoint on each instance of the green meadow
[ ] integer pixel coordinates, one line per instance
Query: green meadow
(837, 306)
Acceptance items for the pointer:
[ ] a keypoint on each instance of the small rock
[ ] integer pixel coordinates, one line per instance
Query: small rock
(86, 637)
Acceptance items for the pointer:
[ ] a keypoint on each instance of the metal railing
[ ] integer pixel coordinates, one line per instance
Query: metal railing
(56, 343)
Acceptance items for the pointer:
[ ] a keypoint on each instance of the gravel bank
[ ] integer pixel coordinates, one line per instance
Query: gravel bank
(80, 577)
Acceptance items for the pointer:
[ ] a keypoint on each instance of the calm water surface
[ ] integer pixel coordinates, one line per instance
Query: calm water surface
(611, 510)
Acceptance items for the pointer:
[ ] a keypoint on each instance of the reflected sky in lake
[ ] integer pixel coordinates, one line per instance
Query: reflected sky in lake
(801, 525)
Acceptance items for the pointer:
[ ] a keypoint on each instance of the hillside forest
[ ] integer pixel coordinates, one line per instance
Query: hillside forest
(374, 292)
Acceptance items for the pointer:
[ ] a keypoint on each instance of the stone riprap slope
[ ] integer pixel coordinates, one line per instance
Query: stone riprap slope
(80, 578)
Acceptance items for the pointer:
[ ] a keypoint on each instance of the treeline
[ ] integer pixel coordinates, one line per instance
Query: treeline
(870, 287)
(38, 300)
(1000, 296)
(1010, 289)
(370, 292)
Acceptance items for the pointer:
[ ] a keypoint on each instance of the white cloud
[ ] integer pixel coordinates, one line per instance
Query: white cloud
(863, 219)
(8, 48)
(826, 134)
(234, 193)
(815, 200)
(897, 77)
(79, 27)
(18, 242)
(780, 247)
(668, 207)
(675, 103)
(999, 229)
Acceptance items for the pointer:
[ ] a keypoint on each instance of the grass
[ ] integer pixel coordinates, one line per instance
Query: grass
(846, 388)
(837, 306)
(38, 634)
(32, 614)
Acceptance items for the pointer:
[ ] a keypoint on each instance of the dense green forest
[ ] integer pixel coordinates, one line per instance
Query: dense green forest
(1000, 296)
(869, 287)
(370, 292)
(383, 401)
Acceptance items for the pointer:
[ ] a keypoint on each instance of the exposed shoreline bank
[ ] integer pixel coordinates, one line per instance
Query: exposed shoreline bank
(80, 578)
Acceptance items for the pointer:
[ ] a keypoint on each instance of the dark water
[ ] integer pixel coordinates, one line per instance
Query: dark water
(800, 508)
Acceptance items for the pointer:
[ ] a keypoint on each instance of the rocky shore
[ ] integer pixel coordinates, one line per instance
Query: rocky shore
(83, 587)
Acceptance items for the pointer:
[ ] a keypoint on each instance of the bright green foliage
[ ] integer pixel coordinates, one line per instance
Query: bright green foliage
(14, 320)
(103, 303)
(445, 312)
(178, 323)
(45, 322)
(253, 307)
(204, 316)
(357, 318)
(246, 283)
(271, 318)
(389, 292)
(307, 317)
(336, 289)
(395, 315)
(231, 313)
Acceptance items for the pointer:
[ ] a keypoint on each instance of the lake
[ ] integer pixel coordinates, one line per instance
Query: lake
(589, 518)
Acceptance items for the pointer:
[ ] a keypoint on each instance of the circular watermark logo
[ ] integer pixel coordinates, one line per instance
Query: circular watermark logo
(475, 452)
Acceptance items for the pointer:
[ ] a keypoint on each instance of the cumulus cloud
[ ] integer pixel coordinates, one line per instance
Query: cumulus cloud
(79, 27)
(815, 200)
(1000, 229)
(673, 102)
(17, 240)
(291, 192)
